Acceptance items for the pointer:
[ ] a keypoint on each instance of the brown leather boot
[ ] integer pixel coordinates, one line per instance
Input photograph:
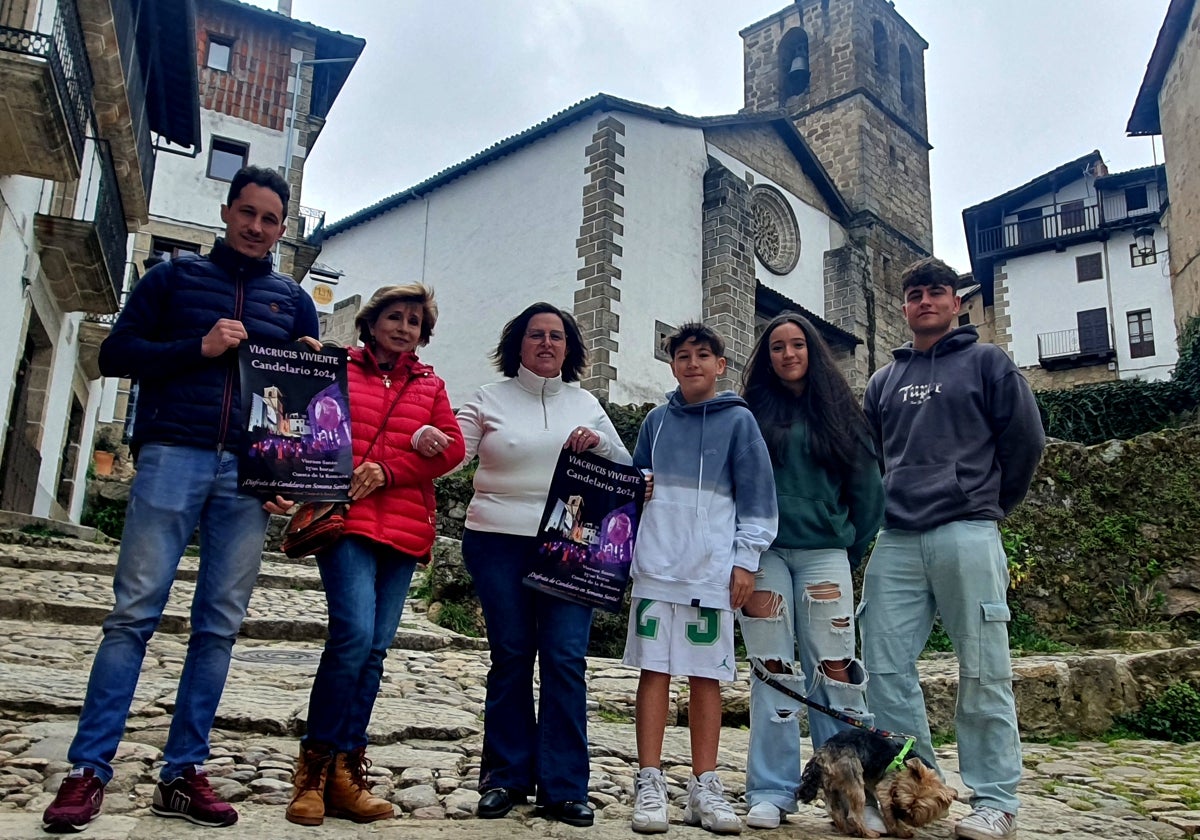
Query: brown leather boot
(308, 785)
(347, 794)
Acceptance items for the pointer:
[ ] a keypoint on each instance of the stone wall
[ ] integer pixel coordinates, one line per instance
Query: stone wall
(1179, 112)
(1040, 379)
(1107, 536)
(761, 147)
(598, 247)
(727, 279)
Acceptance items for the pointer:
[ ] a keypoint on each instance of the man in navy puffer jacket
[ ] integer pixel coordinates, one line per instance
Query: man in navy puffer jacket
(178, 336)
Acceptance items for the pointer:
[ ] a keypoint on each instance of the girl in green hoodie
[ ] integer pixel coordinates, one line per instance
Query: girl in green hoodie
(830, 508)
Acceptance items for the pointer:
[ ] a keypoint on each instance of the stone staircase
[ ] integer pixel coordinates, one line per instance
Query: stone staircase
(427, 729)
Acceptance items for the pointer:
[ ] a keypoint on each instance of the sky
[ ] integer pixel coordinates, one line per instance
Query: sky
(1015, 88)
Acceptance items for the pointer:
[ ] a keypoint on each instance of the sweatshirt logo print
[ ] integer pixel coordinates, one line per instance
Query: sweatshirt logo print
(917, 394)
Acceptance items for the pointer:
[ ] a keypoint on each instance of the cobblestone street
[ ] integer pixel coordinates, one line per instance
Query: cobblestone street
(427, 730)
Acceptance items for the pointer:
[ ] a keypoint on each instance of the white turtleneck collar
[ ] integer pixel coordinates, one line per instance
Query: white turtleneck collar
(539, 385)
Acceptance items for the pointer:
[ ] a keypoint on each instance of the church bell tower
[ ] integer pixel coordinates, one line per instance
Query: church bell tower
(851, 76)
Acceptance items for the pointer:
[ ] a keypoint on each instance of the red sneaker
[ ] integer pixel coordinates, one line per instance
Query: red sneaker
(77, 802)
(191, 797)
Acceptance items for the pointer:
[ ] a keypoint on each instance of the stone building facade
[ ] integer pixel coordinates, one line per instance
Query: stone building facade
(851, 76)
(1169, 104)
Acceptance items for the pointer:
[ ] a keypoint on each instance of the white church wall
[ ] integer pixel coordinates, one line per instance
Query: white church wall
(662, 249)
(489, 243)
(182, 189)
(805, 283)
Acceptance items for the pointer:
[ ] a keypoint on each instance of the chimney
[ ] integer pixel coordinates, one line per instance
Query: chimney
(285, 7)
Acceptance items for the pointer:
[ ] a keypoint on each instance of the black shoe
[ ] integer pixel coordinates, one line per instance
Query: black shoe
(569, 812)
(497, 802)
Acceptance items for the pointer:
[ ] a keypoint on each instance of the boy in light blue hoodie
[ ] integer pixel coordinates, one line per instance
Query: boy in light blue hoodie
(713, 512)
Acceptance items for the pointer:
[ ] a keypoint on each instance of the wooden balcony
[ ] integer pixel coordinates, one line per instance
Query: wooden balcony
(83, 247)
(45, 92)
(1056, 227)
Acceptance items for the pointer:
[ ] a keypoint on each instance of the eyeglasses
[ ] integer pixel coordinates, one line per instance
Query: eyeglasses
(539, 336)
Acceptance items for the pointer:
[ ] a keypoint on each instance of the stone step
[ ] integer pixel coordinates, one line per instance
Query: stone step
(43, 585)
(44, 669)
(278, 571)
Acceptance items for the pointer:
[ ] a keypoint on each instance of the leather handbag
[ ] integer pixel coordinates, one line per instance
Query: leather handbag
(313, 527)
(316, 526)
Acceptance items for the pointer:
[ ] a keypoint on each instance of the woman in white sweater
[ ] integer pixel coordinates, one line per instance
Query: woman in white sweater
(518, 427)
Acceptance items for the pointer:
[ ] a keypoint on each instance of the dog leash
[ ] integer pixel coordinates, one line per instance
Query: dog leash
(909, 740)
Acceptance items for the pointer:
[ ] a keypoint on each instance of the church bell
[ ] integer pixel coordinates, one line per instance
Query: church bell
(797, 77)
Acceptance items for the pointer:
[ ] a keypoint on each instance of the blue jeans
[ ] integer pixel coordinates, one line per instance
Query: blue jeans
(176, 487)
(958, 571)
(547, 753)
(815, 617)
(365, 587)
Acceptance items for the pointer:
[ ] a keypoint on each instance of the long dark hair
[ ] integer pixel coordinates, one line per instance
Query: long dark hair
(837, 429)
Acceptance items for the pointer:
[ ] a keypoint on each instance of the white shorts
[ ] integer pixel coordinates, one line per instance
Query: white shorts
(680, 640)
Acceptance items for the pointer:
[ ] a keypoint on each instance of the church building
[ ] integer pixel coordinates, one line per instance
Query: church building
(636, 218)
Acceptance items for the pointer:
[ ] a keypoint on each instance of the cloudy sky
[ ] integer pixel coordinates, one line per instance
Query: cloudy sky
(1015, 87)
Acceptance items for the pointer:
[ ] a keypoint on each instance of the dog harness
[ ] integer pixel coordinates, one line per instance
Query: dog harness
(898, 761)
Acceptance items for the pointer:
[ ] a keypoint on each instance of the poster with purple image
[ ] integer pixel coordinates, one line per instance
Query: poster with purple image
(296, 438)
(588, 531)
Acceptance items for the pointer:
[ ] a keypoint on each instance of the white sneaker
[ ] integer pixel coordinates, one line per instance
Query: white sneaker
(650, 802)
(706, 806)
(984, 823)
(873, 820)
(763, 815)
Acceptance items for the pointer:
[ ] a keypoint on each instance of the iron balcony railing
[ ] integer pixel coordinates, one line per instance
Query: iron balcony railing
(63, 49)
(102, 199)
(311, 220)
(1066, 343)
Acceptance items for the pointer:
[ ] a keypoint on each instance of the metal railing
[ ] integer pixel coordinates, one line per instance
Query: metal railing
(1062, 343)
(63, 49)
(102, 203)
(310, 220)
(1061, 221)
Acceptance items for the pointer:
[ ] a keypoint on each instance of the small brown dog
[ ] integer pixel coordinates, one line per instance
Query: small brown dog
(857, 767)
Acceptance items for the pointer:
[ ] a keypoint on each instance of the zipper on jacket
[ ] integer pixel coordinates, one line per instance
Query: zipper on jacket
(545, 414)
(227, 398)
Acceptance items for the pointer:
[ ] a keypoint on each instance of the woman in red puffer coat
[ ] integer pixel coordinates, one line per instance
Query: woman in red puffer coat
(404, 436)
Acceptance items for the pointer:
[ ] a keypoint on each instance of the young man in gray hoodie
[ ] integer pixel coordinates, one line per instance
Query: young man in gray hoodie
(961, 436)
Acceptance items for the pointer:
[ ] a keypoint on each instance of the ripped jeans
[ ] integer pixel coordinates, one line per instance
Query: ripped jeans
(814, 615)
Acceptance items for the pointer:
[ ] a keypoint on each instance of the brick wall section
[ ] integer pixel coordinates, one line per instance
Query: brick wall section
(727, 279)
(762, 149)
(598, 246)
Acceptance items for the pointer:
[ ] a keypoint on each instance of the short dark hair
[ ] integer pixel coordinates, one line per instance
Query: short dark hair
(698, 332)
(507, 355)
(385, 297)
(929, 271)
(262, 177)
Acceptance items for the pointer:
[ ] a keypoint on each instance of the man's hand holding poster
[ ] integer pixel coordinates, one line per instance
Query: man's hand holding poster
(296, 442)
(588, 530)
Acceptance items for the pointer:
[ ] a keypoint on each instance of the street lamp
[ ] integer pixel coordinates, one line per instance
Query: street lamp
(1144, 238)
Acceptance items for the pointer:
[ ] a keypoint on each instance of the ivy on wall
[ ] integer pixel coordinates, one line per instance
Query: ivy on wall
(1126, 408)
